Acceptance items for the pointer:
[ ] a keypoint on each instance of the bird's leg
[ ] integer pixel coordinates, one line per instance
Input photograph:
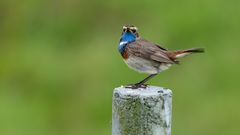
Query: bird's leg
(141, 83)
(145, 79)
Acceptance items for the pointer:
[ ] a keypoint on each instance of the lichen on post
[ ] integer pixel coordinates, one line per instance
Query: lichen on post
(141, 111)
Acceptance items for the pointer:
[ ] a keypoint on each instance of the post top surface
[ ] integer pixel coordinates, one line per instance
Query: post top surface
(148, 91)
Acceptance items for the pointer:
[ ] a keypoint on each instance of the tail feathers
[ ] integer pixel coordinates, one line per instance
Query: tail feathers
(194, 50)
(182, 53)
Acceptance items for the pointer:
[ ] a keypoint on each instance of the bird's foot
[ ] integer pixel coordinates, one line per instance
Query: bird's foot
(136, 86)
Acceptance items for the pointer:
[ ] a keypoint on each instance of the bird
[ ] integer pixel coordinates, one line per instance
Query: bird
(147, 57)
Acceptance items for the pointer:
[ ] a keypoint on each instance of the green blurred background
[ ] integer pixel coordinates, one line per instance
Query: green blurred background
(59, 63)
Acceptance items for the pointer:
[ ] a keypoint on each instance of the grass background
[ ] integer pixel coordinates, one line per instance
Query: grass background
(59, 63)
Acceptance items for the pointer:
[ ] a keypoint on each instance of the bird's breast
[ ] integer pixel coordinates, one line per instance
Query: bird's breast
(125, 54)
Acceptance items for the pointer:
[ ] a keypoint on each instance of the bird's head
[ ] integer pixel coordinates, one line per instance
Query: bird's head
(130, 33)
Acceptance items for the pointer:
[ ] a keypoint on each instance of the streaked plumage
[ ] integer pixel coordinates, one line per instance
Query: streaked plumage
(145, 56)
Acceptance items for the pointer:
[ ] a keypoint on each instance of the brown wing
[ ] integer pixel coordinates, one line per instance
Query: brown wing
(145, 49)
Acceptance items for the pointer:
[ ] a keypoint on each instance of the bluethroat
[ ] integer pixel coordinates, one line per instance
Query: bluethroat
(146, 57)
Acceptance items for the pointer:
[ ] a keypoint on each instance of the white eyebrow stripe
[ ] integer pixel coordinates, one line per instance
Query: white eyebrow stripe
(124, 27)
(134, 27)
(130, 27)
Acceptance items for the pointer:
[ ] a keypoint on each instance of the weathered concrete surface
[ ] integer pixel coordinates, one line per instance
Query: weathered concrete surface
(141, 111)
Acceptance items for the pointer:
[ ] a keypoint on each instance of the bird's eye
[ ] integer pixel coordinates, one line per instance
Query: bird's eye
(124, 30)
(133, 30)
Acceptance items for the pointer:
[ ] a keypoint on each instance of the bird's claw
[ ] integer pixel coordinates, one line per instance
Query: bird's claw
(136, 86)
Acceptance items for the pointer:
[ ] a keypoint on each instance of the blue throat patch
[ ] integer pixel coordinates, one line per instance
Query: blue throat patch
(127, 37)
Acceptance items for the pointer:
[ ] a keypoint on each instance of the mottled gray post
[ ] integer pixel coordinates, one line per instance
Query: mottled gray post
(141, 111)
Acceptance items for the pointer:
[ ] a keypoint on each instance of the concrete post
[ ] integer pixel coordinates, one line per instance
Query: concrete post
(141, 111)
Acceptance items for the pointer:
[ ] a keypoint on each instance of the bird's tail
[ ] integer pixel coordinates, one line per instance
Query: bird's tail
(182, 53)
